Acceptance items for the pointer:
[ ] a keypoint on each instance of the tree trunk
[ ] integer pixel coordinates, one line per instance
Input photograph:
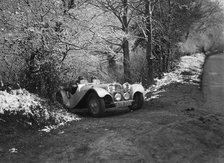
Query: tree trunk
(126, 61)
(169, 36)
(164, 63)
(148, 14)
(125, 44)
(161, 43)
(167, 61)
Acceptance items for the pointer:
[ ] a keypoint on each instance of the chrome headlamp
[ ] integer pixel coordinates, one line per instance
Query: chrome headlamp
(111, 88)
(126, 96)
(126, 86)
(117, 97)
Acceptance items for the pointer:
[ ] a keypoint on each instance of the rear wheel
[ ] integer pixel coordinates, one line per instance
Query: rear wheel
(96, 105)
(138, 101)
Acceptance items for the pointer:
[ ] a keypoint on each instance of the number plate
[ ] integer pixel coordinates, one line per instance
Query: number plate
(123, 103)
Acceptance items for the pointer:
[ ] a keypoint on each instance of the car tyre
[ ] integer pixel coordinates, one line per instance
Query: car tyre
(138, 101)
(96, 105)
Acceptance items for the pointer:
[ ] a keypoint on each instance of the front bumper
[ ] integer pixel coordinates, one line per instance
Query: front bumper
(120, 104)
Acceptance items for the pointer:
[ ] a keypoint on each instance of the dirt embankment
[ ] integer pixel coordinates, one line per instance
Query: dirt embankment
(172, 128)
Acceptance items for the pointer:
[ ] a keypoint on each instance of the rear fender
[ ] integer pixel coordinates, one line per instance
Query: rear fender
(71, 100)
(65, 98)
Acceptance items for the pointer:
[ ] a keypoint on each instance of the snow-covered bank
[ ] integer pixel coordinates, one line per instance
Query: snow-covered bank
(30, 110)
(188, 70)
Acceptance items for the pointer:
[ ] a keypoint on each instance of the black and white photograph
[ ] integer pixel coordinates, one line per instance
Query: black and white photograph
(111, 81)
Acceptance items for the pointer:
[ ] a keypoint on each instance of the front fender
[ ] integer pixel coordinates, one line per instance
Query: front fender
(137, 88)
(101, 92)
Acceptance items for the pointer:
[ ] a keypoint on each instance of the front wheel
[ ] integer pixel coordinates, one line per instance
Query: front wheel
(138, 101)
(96, 105)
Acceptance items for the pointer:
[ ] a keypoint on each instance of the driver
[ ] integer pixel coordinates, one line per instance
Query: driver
(93, 78)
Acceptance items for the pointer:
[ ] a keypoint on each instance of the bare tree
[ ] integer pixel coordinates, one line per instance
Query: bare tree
(122, 11)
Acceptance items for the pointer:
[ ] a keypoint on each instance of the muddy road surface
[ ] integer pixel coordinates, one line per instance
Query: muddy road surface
(172, 128)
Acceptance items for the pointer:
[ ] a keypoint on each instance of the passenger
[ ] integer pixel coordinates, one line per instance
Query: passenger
(93, 78)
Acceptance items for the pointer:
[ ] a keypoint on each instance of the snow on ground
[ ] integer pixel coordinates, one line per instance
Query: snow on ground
(188, 70)
(32, 110)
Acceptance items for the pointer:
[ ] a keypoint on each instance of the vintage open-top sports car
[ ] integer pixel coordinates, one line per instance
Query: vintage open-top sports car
(98, 97)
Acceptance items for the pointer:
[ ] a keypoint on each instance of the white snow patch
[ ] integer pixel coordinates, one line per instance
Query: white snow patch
(52, 127)
(191, 64)
(21, 102)
(13, 150)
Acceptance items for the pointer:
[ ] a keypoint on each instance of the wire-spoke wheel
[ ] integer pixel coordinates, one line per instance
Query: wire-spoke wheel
(138, 101)
(96, 105)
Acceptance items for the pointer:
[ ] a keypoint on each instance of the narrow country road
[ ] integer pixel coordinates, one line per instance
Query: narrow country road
(172, 128)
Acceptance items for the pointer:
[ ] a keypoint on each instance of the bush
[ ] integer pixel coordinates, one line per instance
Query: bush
(43, 81)
(29, 110)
